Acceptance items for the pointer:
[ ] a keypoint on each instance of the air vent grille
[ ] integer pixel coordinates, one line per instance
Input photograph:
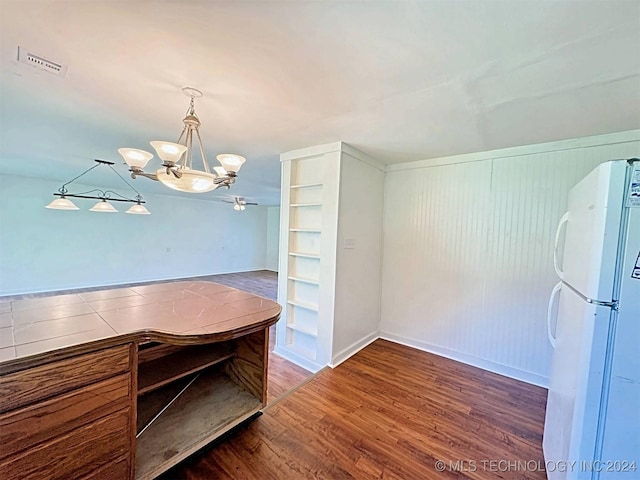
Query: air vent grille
(40, 62)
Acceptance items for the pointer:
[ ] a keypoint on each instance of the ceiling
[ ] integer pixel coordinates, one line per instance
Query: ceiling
(400, 81)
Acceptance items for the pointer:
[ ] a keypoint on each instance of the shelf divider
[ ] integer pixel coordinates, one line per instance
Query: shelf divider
(162, 371)
(305, 331)
(306, 185)
(307, 306)
(304, 255)
(310, 281)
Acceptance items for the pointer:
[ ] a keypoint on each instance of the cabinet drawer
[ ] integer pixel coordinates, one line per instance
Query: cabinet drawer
(24, 428)
(27, 386)
(117, 470)
(74, 454)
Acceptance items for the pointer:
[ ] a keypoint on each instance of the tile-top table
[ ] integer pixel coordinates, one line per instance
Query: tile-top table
(174, 309)
(84, 376)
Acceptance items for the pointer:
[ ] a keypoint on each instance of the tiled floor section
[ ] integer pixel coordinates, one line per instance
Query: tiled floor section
(259, 282)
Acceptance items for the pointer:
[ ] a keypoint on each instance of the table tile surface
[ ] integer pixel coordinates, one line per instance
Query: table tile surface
(37, 325)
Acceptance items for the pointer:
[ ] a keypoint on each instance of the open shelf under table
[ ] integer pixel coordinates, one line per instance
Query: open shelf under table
(212, 405)
(161, 371)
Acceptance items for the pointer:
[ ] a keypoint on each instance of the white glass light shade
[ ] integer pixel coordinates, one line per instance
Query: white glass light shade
(220, 171)
(168, 151)
(134, 157)
(103, 206)
(62, 203)
(138, 209)
(191, 181)
(231, 162)
(236, 207)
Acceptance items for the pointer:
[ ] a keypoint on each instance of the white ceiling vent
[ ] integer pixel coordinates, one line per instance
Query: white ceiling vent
(37, 61)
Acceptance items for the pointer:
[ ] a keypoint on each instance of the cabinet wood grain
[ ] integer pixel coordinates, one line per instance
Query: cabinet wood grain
(249, 367)
(25, 428)
(27, 386)
(117, 470)
(73, 454)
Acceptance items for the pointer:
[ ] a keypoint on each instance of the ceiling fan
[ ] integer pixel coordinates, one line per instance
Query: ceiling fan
(239, 203)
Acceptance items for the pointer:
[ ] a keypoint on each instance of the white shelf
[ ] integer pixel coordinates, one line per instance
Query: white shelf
(304, 255)
(305, 205)
(306, 306)
(306, 185)
(304, 280)
(305, 331)
(305, 230)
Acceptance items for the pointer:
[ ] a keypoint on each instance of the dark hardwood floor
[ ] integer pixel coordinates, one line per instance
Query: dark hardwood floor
(388, 412)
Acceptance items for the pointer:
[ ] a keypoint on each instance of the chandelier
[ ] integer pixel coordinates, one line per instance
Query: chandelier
(177, 170)
(103, 196)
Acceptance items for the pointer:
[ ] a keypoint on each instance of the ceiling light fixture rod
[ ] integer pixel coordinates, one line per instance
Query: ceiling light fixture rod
(104, 196)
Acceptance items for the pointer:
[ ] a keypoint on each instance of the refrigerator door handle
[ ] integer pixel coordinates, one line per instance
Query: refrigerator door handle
(554, 294)
(563, 220)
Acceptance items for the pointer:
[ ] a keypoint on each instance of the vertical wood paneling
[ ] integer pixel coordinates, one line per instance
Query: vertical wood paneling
(468, 251)
(434, 243)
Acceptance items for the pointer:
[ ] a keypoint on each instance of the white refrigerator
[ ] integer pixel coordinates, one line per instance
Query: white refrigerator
(593, 404)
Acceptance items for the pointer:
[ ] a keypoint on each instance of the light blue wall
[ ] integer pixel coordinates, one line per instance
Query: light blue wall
(48, 250)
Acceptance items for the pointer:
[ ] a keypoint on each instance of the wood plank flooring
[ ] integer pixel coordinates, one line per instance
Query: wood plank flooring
(388, 412)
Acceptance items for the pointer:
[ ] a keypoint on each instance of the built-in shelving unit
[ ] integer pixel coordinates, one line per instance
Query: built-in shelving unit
(330, 223)
(304, 230)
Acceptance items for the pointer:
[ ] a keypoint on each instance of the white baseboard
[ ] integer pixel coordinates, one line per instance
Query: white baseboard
(527, 377)
(299, 360)
(510, 372)
(353, 349)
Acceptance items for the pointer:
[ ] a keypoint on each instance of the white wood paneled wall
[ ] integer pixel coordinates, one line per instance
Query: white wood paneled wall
(467, 262)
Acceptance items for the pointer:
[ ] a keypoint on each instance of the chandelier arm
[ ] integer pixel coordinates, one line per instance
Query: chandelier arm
(139, 172)
(202, 154)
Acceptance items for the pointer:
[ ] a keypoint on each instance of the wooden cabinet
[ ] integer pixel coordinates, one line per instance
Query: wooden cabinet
(133, 405)
(29, 385)
(77, 411)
